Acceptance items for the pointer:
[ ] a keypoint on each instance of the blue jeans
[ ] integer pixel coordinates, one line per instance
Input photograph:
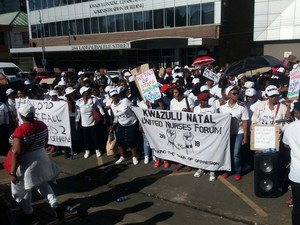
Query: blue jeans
(235, 150)
(147, 149)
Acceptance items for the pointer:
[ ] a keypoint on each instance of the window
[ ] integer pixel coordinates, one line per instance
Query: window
(95, 25)
(119, 23)
(65, 28)
(79, 26)
(138, 21)
(62, 2)
(111, 24)
(169, 17)
(77, 1)
(56, 3)
(87, 26)
(44, 4)
(58, 29)
(70, 2)
(25, 38)
(158, 16)
(208, 11)
(102, 24)
(194, 14)
(46, 30)
(2, 38)
(31, 5)
(50, 4)
(52, 30)
(37, 4)
(128, 19)
(148, 20)
(180, 16)
(34, 31)
(72, 27)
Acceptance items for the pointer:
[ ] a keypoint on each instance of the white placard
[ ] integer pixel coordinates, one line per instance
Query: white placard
(211, 75)
(265, 137)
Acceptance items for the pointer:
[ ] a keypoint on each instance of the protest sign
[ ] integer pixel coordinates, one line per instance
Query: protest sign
(211, 75)
(196, 140)
(148, 86)
(294, 85)
(264, 137)
(56, 116)
(140, 69)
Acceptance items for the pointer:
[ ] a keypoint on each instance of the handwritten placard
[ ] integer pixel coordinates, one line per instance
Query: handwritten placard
(148, 86)
(264, 137)
(211, 75)
(294, 86)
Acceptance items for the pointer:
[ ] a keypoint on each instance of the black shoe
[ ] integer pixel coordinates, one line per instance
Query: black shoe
(59, 211)
(56, 154)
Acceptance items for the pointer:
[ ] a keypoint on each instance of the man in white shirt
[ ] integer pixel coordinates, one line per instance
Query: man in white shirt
(291, 139)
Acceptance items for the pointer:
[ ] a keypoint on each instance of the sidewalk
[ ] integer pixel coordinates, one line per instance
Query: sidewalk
(97, 182)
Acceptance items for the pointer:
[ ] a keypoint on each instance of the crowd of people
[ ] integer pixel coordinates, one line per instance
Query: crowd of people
(259, 98)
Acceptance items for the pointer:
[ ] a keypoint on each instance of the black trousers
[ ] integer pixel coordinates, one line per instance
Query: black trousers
(296, 203)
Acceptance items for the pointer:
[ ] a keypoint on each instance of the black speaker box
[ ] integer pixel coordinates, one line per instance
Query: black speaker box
(266, 175)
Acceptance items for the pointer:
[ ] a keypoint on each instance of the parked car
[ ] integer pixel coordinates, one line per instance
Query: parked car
(10, 70)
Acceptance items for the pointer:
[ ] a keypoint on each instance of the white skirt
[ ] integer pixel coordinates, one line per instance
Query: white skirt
(35, 168)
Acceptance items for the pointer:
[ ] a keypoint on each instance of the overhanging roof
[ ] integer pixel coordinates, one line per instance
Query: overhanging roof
(14, 19)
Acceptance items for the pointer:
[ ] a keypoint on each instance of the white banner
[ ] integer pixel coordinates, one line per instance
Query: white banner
(56, 116)
(196, 140)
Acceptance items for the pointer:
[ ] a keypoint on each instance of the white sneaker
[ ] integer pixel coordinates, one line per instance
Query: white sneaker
(121, 159)
(199, 173)
(154, 158)
(146, 160)
(135, 160)
(98, 153)
(87, 154)
(212, 176)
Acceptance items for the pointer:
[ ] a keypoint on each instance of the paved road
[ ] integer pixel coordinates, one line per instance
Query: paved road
(156, 196)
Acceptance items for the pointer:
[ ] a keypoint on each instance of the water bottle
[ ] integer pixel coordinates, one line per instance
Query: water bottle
(112, 136)
(70, 209)
(122, 199)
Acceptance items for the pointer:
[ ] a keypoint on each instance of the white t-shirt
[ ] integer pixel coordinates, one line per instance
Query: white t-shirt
(123, 113)
(178, 106)
(216, 91)
(239, 112)
(251, 107)
(85, 111)
(208, 110)
(291, 137)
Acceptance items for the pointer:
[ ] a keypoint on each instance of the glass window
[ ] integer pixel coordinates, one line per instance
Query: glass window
(138, 21)
(37, 4)
(46, 30)
(34, 31)
(180, 16)
(194, 14)
(87, 26)
(65, 28)
(62, 2)
(50, 4)
(58, 29)
(79, 26)
(44, 4)
(158, 16)
(52, 30)
(77, 1)
(95, 25)
(102, 24)
(25, 38)
(111, 24)
(148, 20)
(70, 2)
(56, 3)
(119, 23)
(31, 5)
(169, 17)
(72, 26)
(128, 19)
(208, 11)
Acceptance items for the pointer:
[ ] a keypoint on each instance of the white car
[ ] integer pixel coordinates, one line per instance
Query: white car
(10, 70)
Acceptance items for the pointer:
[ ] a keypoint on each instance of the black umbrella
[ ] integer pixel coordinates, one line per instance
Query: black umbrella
(252, 63)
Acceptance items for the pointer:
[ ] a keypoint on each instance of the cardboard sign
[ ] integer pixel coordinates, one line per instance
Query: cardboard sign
(148, 86)
(161, 72)
(47, 80)
(294, 85)
(211, 75)
(141, 69)
(264, 137)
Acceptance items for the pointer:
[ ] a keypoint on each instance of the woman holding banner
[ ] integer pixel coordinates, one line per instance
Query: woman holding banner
(126, 124)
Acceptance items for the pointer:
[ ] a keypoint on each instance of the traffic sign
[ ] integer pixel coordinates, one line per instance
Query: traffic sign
(44, 62)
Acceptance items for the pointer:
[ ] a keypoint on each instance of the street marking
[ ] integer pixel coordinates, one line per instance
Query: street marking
(247, 200)
(180, 174)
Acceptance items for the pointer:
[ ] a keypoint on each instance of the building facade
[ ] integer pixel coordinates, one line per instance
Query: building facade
(277, 27)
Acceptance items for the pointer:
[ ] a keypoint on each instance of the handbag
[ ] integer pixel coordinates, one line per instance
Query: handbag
(111, 144)
(96, 113)
(7, 161)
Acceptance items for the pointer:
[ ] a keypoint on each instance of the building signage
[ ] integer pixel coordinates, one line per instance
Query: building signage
(115, 6)
(101, 47)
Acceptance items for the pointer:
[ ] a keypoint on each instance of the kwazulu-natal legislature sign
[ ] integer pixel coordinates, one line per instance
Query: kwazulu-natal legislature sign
(196, 140)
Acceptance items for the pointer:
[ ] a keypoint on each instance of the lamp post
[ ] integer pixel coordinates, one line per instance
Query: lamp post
(43, 47)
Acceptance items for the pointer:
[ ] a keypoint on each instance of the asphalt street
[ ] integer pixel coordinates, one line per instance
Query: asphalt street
(156, 196)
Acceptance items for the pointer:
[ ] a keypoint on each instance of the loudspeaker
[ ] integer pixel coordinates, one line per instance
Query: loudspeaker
(266, 175)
